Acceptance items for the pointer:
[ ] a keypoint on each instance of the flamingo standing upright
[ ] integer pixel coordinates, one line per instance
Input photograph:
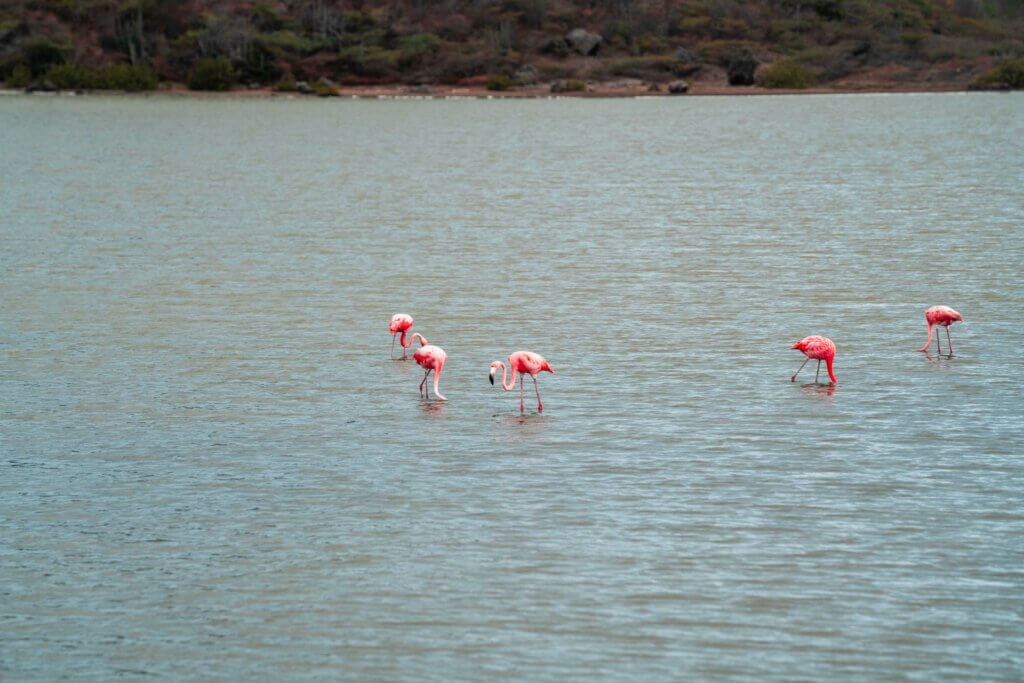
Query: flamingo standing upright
(400, 322)
(819, 348)
(431, 358)
(527, 363)
(944, 316)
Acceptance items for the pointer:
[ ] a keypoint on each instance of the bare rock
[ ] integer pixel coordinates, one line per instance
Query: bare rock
(583, 42)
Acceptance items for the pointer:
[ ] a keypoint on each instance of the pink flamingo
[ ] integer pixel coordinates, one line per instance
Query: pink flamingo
(819, 348)
(430, 358)
(400, 322)
(944, 316)
(527, 363)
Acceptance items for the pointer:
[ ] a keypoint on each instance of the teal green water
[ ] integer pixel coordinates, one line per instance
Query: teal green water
(212, 470)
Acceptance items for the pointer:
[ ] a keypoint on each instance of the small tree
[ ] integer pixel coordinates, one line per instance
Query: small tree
(212, 74)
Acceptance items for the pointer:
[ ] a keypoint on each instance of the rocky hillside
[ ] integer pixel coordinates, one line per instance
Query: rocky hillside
(782, 43)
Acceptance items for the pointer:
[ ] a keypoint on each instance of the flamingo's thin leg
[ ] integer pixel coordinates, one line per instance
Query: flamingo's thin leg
(521, 405)
(392, 347)
(427, 372)
(949, 340)
(540, 408)
(793, 378)
(817, 371)
(938, 341)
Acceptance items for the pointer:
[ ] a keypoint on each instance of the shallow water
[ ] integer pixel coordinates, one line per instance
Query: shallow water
(211, 468)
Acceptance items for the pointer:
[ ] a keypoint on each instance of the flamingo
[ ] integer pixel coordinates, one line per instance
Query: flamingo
(819, 348)
(944, 316)
(430, 358)
(400, 322)
(527, 363)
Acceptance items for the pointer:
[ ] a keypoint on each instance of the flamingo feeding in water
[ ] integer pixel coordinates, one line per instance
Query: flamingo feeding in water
(431, 358)
(821, 349)
(944, 316)
(527, 363)
(400, 322)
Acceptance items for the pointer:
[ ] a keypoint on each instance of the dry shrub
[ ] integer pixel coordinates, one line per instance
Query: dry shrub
(784, 73)
(1008, 73)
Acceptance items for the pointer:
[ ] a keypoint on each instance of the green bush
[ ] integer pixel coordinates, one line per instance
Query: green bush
(571, 85)
(72, 77)
(419, 44)
(414, 48)
(369, 62)
(265, 18)
(322, 89)
(1009, 72)
(286, 84)
(784, 73)
(128, 77)
(500, 82)
(359, 21)
(19, 77)
(289, 41)
(212, 74)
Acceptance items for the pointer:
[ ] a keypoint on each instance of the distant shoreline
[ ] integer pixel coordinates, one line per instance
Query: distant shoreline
(614, 89)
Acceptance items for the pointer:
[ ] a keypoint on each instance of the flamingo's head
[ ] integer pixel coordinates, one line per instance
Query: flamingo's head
(494, 368)
(400, 322)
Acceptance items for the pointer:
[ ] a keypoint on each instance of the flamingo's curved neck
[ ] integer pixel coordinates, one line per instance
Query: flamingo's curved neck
(828, 366)
(508, 387)
(929, 342)
(423, 342)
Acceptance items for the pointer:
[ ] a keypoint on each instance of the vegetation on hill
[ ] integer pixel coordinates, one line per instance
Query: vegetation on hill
(129, 44)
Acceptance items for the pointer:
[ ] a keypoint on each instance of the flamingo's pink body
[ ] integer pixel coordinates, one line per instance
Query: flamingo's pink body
(943, 316)
(817, 348)
(431, 358)
(527, 363)
(400, 322)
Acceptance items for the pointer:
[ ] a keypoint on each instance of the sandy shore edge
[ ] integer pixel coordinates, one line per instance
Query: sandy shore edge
(593, 90)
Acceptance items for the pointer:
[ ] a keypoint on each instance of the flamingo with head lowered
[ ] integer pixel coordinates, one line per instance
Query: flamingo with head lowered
(526, 363)
(400, 322)
(819, 348)
(431, 358)
(944, 316)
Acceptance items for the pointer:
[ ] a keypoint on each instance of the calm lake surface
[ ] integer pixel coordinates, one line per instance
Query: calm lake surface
(212, 470)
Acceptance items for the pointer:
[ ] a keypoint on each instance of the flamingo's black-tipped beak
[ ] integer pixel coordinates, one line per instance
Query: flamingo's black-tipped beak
(491, 377)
